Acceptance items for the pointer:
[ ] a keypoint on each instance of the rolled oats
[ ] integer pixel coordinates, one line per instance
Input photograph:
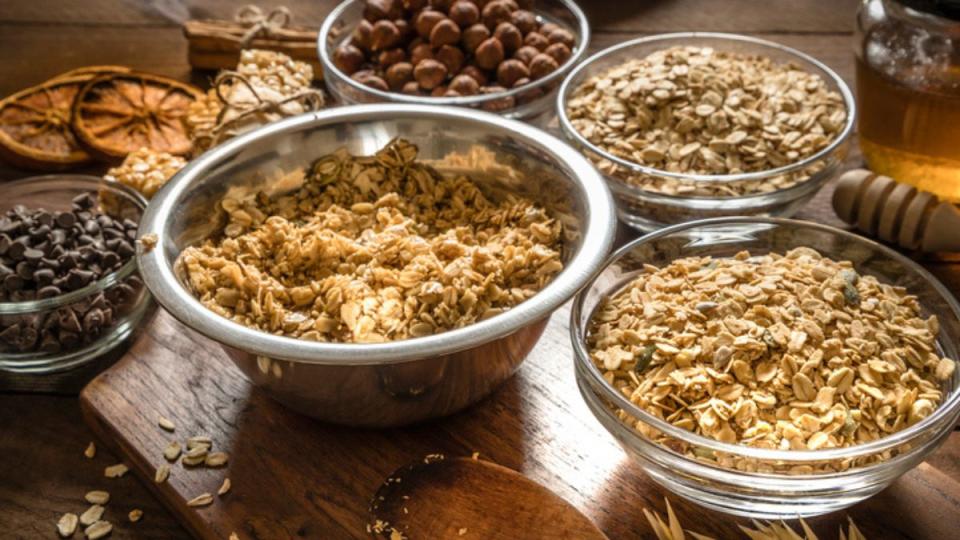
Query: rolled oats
(373, 249)
(788, 352)
(701, 111)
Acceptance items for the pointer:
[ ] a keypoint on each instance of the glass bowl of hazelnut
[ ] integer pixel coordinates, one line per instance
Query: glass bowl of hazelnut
(501, 56)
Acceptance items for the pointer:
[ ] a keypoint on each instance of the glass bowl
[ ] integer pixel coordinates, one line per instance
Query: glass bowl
(648, 210)
(120, 296)
(514, 103)
(765, 483)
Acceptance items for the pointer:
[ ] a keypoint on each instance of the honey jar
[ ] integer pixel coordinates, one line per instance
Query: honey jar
(908, 92)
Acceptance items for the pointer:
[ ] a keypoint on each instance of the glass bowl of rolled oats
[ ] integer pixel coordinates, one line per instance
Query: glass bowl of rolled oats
(697, 125)
(768, 367)
(378, 265)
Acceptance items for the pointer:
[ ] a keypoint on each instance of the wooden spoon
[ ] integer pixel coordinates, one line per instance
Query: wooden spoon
(463, 498)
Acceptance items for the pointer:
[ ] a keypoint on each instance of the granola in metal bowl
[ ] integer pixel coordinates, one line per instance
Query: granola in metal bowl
(787, 351)
(372, 249)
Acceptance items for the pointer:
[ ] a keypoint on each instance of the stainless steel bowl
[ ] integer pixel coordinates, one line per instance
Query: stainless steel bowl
(398, 382)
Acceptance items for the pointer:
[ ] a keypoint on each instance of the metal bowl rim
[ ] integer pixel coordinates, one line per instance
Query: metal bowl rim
(158, 274)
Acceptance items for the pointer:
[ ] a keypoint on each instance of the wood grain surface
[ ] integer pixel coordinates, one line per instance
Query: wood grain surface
(43, 473)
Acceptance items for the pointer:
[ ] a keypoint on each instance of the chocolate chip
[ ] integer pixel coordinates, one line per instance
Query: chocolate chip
(49, 292)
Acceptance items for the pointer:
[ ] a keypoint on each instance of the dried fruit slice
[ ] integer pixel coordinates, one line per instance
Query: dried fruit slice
(35, 126)
(119, 113)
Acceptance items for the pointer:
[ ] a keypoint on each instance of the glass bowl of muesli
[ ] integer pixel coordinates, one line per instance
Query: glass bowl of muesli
(378, 265)
(696, 125)
(768, 367)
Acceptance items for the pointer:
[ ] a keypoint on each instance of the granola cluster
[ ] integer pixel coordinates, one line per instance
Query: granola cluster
(146, 170)
(373, 249)
(789, 352)
(702, 111)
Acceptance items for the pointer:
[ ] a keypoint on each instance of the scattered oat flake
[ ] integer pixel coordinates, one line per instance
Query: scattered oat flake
(97, 497)
(172, 451)
(135, 515)
(148, 241)
(163, 472)
(462, 531)
(216, 459)
(165, 423)
(204, 499)
(90, 451)
(67, 525)
(115, 471)
(91, 515)
(233, 536)
(98, 530)
(224, 487)
(475, 456)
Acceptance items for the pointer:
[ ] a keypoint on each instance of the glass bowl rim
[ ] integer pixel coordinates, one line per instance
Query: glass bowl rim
(949, 406)
(326, 29)
(566, 126)
(118, 275)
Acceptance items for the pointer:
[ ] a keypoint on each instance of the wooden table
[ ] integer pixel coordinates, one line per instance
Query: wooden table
(42, 437)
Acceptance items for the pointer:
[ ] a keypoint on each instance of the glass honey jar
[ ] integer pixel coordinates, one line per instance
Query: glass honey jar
(908, 91)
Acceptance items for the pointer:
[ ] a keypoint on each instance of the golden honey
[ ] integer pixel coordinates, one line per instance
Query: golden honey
(909, 133)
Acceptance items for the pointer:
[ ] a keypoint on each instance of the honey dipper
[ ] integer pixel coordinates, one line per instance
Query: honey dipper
(897, 212)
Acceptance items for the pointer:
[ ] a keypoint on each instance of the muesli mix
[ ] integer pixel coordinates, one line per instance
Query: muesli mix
(789, 351)
(702, 111)
(372, 249)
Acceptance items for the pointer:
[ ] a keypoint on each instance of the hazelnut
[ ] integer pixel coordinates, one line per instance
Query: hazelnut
(509, 36)
(512, 5)
(561, 36)
(390, 57)
(510, 71)
(361, 34)
(430, 74)
(527, 95)
(375, 10)
(475, 73)
(373, 82)
(420, 53)
(398, 75)
(451, 57)
(560, 52)
(548, 27)
(497, 105)
(426, 20)
(524, 20)
(536, 40)
(489, 54)
(495, 13)
(348, 58)
(474, 36)
(542, 65)
(445, 32)
(464, 13)
(384, 35)
(525, 54)
(451, 93)
(439, 91)
(411, 88)
(465, 85)
(406, 31)
(414, 5)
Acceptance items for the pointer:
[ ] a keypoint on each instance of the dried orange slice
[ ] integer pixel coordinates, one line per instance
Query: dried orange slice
(35, 126)
(93, 71)
(119, 113)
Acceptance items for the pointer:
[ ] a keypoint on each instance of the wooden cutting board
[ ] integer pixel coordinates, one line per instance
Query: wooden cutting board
(294, 477)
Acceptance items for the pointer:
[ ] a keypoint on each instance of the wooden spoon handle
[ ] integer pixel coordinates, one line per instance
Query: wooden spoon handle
(896, 212)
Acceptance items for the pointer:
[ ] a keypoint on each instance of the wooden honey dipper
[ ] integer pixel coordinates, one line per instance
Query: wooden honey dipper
(896, 212)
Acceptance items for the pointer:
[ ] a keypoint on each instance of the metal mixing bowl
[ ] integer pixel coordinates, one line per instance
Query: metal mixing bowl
(398, 382)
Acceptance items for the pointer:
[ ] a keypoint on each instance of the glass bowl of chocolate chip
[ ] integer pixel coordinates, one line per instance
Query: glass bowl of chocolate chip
(69, 289)
(697, 125)
(769, 367)
(501, 56)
